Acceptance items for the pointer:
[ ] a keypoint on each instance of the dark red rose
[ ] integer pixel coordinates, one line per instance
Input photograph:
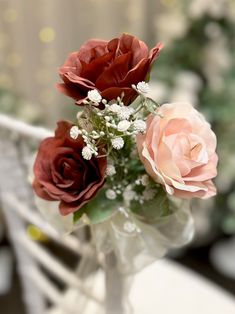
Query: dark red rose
(111, 67)
(62, 174)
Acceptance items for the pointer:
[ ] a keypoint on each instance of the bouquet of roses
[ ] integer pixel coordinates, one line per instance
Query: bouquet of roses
(126, 162)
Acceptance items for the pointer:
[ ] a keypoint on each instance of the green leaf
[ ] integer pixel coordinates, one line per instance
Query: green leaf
(153, 209)
(98, 209)
(78, 214)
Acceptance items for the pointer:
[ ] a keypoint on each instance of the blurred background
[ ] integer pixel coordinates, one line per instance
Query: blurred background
(197, 64)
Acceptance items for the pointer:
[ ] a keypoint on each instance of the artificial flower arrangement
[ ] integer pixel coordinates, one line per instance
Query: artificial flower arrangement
(126, 161)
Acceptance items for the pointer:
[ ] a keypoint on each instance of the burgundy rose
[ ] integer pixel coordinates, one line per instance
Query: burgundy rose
(111, 67)
(62, 174)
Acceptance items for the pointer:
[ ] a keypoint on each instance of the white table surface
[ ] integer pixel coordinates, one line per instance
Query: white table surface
(166, 287)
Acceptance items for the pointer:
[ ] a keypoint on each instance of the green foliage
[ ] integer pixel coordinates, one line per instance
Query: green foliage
(153, 209)
(98, 209)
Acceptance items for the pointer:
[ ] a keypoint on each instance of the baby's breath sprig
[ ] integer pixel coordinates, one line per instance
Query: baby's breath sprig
(112, 125)
(146, 104)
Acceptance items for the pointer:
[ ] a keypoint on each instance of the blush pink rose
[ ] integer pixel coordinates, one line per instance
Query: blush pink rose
(178, 151)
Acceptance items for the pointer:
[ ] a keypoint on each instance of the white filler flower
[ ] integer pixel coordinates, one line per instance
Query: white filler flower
(145, 180)
(139, 125)
(143, 88)
(149, 194)
(86, 153)
(74, 132)
(115, 108)
(110, 194)
(94, 96)
(123, 125)
(110, 170)
(125, 112)
(117, 142)
(129, 195)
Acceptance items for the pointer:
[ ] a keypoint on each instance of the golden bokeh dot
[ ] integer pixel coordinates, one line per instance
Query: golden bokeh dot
(10, 15)
(36, 234)
(5, 81)
(14, 60)
(47, 34)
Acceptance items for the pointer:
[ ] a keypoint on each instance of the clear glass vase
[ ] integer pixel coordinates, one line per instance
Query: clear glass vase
(129, 243)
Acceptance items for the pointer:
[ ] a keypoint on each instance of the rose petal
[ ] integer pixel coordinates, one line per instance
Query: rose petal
(137, 74)
(40, 191)
(84, 52)
(115, 73)
(204, 172)
(93, 70)
(69, 90)
(155, 52)
(114, 92)
(130, 43)
(72, 64)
